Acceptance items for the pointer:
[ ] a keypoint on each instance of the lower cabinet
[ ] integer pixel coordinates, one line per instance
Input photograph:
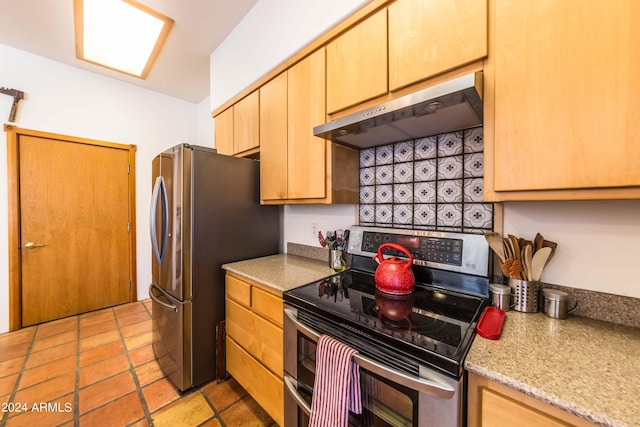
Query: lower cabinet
(491, 404)
(254, 342)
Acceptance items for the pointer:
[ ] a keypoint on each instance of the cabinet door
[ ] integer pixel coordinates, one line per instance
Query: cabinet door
(224, 132)
(265, 387)
(256, 335)
(496, 405)
(306, 109)
(429, 37)
(357, 64)
(273, 139)
(567, 111)
(246, 126)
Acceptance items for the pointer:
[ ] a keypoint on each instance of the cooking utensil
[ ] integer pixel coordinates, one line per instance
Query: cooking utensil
(538, 262)
(527, 257)
(330, 239)
(552, 245)
(506, 266)
(393, 275)
(339, 234)
(495, 243)
(515, 246)
(538, 242)
(507, 248)
(517, 270)
(323, 243)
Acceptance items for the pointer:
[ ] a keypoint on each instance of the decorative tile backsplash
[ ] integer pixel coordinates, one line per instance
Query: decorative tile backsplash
(433, 183)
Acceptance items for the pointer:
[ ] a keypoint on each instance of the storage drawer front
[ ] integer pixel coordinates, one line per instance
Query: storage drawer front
(256, 335)
(268, 305)
(262, 385)
(239, 290)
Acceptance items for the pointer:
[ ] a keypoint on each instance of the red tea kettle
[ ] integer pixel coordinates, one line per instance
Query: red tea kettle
(393, 275)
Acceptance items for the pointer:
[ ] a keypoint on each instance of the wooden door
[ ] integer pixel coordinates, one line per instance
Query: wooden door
(246, 126)
(307, 164)
(224, 132)
(357, 64)
(429, 37)
(74, 234)
(565, 82)
(273, 139)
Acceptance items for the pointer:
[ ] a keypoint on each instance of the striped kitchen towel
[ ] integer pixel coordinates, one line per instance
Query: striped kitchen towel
(336, 390)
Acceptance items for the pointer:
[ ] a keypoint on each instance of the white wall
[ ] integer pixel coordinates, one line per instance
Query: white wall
(598, 241)
(65, 100)
(270, 33)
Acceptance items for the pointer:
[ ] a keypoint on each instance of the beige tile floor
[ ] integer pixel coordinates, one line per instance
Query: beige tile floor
(98, 369)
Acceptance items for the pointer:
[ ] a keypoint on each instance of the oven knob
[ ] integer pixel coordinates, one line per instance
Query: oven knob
(377, 238)
(387, 238)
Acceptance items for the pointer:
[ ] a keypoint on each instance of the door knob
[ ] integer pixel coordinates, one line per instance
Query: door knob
(32, 245)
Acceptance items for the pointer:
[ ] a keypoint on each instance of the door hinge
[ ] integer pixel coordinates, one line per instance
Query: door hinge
(129, 168)
(129, 227)
(129, 284)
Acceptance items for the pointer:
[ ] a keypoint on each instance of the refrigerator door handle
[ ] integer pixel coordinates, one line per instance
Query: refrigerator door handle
(155, 299)
(159, 192)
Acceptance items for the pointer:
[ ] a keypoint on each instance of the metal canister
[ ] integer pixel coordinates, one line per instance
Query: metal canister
(555, 303)
(500, 296)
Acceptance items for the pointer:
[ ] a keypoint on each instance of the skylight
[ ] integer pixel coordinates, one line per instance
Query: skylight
(122, 35)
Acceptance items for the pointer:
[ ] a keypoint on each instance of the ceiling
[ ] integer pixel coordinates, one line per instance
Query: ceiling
(45, 28)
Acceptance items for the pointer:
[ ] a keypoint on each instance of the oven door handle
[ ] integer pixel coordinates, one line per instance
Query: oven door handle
(292, 389)
(423, 385)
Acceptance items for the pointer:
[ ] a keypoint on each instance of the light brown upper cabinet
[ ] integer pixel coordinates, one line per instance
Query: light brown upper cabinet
(295, 166)
(357, 64)
(273, 141)
(429, 37)
(246, 126)
(224, 132)
(563, 113)
(306, 162)
(237, 129)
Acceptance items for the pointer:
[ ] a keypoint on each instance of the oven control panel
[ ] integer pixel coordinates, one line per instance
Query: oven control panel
(437, 249)
(464, 253)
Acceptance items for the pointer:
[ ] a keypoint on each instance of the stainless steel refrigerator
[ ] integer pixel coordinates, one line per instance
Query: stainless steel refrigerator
(205, 211)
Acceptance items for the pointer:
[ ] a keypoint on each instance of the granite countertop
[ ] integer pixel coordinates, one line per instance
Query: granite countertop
(587, 367)
(281, 272)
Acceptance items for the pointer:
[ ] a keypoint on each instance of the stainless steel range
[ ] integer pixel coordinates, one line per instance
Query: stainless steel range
(411, 348)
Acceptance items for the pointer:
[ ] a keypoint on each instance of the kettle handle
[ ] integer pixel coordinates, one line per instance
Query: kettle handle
(379, 257)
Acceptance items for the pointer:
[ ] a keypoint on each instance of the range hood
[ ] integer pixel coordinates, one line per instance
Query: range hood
(446, 107)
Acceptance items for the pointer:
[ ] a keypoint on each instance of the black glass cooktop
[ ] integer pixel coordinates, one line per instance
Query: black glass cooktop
(432, 324)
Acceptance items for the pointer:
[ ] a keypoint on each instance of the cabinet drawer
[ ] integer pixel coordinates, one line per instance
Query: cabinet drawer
(256, 335)
(268, 305)
(266, 388)
(238, 290)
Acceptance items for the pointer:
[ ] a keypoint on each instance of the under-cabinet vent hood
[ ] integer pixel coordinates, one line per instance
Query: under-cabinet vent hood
(446, 107)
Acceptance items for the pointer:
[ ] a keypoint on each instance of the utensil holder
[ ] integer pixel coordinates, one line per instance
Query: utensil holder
(336, 261)
(526, 295)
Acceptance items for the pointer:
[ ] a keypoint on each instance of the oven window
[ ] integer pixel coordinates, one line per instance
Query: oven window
(384, 403)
